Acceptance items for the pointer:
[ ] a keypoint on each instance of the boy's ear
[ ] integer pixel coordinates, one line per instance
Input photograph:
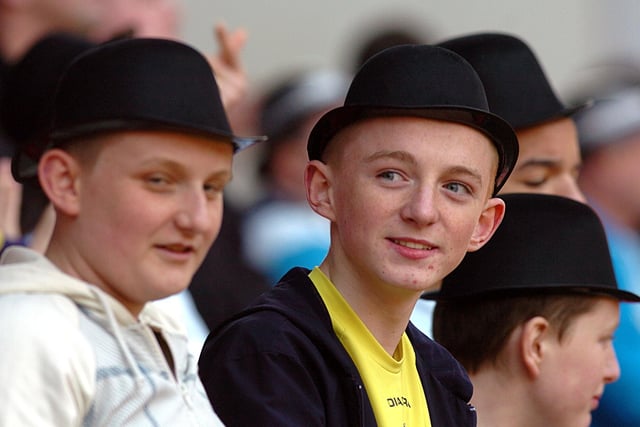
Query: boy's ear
(317, 180)
(533, 344)
(488, 223)
(58, 173)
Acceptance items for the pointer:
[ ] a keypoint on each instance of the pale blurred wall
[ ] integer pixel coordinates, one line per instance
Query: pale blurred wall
(567, 35)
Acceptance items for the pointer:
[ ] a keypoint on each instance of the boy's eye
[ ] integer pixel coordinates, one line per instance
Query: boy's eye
(536, 183)
(456, 187)
(389, 175)
(157, 179)
(213, 189)
(533, 176)
(607, 339)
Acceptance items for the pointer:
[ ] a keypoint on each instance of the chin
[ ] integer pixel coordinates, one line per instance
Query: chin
(415, 285)
(171, 287)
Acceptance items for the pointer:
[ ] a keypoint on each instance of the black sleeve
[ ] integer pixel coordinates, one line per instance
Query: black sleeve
(255, 375)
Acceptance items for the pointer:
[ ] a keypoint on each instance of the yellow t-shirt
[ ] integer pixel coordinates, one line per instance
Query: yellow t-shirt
(392, 383)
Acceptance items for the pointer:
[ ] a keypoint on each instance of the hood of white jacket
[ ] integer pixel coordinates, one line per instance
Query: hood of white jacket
(23, 270)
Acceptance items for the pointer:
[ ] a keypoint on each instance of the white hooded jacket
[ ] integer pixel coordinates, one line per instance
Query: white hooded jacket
(71, 355)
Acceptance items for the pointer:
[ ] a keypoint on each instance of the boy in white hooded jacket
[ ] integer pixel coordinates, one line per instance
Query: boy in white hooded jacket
(139, 153)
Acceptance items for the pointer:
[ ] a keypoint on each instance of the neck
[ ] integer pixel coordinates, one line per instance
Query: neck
(65, 254)
(386, 314)
(500, 399)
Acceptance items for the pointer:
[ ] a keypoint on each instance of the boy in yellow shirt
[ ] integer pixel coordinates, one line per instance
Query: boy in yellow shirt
(405, 172)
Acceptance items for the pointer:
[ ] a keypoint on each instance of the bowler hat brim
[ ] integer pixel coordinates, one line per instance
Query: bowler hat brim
(564, 112)
(162, 124)
(538, 289)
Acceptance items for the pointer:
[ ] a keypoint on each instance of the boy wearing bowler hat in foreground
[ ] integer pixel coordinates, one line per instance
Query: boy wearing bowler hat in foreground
(531, 315)
(139, 154)
(405, 171)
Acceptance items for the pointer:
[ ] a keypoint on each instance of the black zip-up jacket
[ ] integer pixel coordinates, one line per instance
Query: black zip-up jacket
(279, 363)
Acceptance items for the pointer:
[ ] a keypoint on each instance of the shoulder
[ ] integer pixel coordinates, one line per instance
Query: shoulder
(37, 315)
(50, 361)
(289, 319)
(40, 324)
(264, 330)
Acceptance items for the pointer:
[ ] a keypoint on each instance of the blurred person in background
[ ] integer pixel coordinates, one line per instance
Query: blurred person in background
(140, 18)
(26, 113)
(22, 25)
(376, 33)
(280, 230)
(163, 19)
(610, 140)
(381, 39)
(519, 91)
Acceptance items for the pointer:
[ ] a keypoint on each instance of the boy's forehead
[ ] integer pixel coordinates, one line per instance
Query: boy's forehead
(152, 143)
(395, 131)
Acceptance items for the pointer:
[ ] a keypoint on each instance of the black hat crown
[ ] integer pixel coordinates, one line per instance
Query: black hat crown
(545, 244)
(421, 81)
(141, 83)
(516, 85)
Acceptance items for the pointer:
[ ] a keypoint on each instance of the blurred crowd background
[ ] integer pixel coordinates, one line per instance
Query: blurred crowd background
(570, 37)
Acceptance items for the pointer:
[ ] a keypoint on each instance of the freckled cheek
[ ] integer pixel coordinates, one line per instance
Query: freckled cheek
(459, 235)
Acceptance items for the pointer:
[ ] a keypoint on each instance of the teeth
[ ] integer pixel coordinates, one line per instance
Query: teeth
(413, 245)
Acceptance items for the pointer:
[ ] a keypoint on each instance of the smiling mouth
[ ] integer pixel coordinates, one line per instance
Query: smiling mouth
(177, 248)
(412, 245)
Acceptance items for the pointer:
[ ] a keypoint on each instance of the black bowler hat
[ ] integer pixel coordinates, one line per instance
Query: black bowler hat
(141, 83)
(27, 104)
(545, 244)
(119, 85)
(516, 85)
(420, 81)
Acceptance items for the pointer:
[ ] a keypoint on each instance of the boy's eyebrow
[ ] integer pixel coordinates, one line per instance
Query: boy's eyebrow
(549, 162)
(399, 155)
(172, 164)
